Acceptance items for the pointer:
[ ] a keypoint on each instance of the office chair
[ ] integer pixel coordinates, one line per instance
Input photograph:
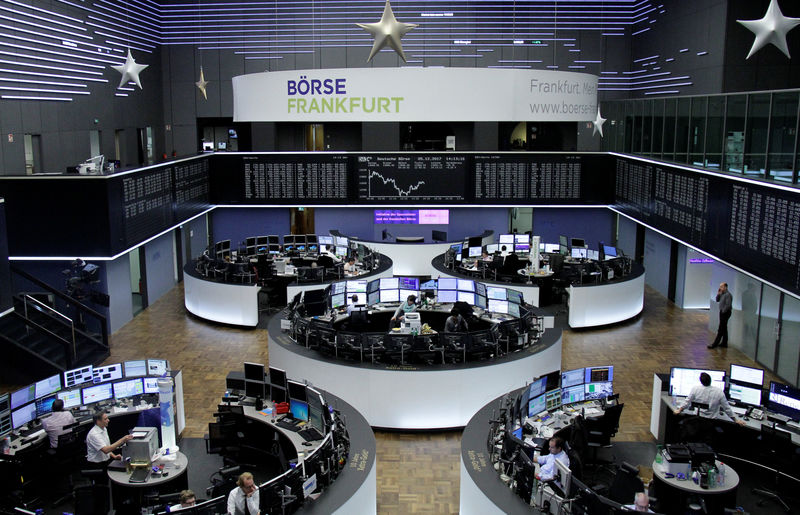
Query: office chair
(481, 345)
(396, 346)
(65, 459)
(695, 428)
(601, 430)
(776, 449)
(455, 346)
(349, 345)
(425, 349)
(372, 346)
(327, 342)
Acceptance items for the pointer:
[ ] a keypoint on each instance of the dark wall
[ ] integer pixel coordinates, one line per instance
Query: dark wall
(5, 274)
(591, 224)
(768, 68)
(236, 224)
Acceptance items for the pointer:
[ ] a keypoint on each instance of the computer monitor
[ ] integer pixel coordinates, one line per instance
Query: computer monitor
(448, 283)
(573, 377)
(446, 296)
(537, 405)
(316, 410)
(599, 374)
(579, 253)
(553, 399)
(572, 394)
(253, 371)
(325, 240)
(373, 298)
(522, 248)
(157, 367)
(746, 375)
(390, 295)
(562, 240)
(506, 239)
(563, 477)
(358, 286)
(551, 248)
(277, 377)
(387, 283)
(497, 306)
(522, 238)
(456, 248)
(599, 390)
(784, 399)
(70, 398)
(137, 368)
(514, 296)
(48, 386)
(609, 251)
(492, 248)
(150, 385)
(23, 396)
(563, 250)
(496, 293)
(77, 376)
(480, 301)
(23, 415)
(44, 405)
(97, 393)
(682, 380)
(577, 242)
(297, 391)
(254, 389)
(537, 387)
(408, 283)
(128, 388)
(340, 251)
(744, 394)
(465, 296)
(340, 287)
(428, 285)
(337, 301)
(475, 252)
(405, 293)
(299, 409)
(465, 285)
(340, 241)
(107, 373)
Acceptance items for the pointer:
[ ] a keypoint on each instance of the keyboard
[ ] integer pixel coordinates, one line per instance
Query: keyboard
(287, 423)
(788, 429)
(310, 434)
(31, 432)
(739, 411)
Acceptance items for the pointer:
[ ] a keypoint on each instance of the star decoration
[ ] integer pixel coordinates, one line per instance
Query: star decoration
(202, 83)
(772, 28)
(388, 31)
(130, 70)
(598, 124)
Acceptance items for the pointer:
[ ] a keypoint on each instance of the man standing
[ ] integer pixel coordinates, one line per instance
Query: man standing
(706, 394)
(725, 300)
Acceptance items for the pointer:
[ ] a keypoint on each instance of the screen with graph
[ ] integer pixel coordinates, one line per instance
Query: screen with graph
(411, 177)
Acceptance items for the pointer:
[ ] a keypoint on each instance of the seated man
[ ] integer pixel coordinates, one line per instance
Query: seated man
(455, 323)
(54, 424)
(640, 503)
(547, 469)
(406, 307)
(244, 498)
(350, 267)
(188, 499)
(99, 449)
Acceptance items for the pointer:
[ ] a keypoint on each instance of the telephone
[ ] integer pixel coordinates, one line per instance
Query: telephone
(281, 407)
(757, 414)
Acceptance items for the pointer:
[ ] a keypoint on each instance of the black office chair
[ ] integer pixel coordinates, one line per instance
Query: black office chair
(600, 431)
(455, 346)
(396, 346)
(481, 345)
(349, 345)
(425, 349)
(775, 450)
(65, 459)
(372, 346)
(626, 484)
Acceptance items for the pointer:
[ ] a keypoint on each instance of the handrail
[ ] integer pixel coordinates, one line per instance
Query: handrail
(52, 310)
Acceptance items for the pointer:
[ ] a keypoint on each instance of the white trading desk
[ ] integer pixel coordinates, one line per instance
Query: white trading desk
(227, 303)
(606, 303)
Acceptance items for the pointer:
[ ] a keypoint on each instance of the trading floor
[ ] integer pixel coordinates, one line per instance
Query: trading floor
(419, 472)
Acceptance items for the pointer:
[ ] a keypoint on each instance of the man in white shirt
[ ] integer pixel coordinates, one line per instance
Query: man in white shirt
(711, 395)
(329, 252)
(99, 449)
(243, 500)
(188, 499)
(350, 267)
(641, 502)
(547, 463)
(54, 424)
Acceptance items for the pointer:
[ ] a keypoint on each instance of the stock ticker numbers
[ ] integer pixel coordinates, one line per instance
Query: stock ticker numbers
(283, 179)
(147, 203)
(411, 178)
(510, 178)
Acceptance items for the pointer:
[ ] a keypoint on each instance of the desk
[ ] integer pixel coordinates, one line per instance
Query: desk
(127, 497)
(673, 494)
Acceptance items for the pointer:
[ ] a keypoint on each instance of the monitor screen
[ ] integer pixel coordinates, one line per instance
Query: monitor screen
(784, 399)
(23, 396)
(44, 405)
(253, 371)
(609, 251)
(373, 285)
(128, 388)
(553, 399)
(359, 286)
(77, 376)
(492, 248)
(514, 296)
(456, 247)
(682, 380)
(337, 301)
(448, 283)
(572, 377)
(390, 295)
(563, 250)
(572, 394)
(136, 368)
(340, 287)
(513, 309)
(340, 241)
(751, 376)
(599, 374)
(405, 293)
(297, 391)
(71, 398)
(498, 306)
(537, 405)
(522, 238)
(551, 248)
(254, 389)
(447, 296)
(506, 238)
(150, 385)
(299, 409)
(465, 296)
(475, 251)
(745, 394)
(316, 418)
(579, 253)
(373, 298)
(522, 248)
(599, 390)
(577, 242)
(480, 301)
(157, 367)
(389, 283)
(341, 251)
(480, 289)
(277, 377)
(23, 415)
(537, 387)
(495, 293)
(466, 285)
(97, 393)
(428, 285)
(409, 283)
(48, 386)
(325, 240)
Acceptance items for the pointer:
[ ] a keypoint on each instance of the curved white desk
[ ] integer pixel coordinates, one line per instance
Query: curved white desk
(607, 303)
(235, 304)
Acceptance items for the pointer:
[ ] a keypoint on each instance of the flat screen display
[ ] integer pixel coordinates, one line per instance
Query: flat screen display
(513, 309)
(577, 242)
(495, 293)
(299, 410)
(254, 389)
(599, 374)
(48, 386)
(23, 396)
(136, 368)
(553, 398)
(784, 399)
(408, 283)
(579, 253)
(77, 376)
(514, 296)
(156, 367)
(465, 296)
(44, 405)
(537, 387)
(340, 241)
(551, 248)
(97, 393)
(23, 415)
(492, 248)
(253, 371)
(128, 388)
(405, 293)
(498, 306)
(537, 405)
(325, 240)
(428, 285)
(745, 394)
(359, 286)
(475, 252)
(506, 238)
(337, 301)
(373, 297)
(448, 283)
(71, 398)
(682, 380)
(599, 390)
(572, 394)
(609, 251)
(522, 238)
(522, 248)
(107, 373)
(390, 295)
(751, 376)
(389, 283)
(150, 385)
(277, 377)
(447, 296)
(572, 377)
(341, 251)
(297, 391)
(340, 287)
(466, 285)
(480, 289)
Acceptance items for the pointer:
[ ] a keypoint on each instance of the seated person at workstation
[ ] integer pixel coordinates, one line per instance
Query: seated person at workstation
(327, 252)
(406, 307)
(99, 449)
(485, 256)
(455, 323)
(350, 267)
(188, 499)
(641, 502)
(352, 305)
(547, 470)
(54, 424)
(715, 398)
(244, 498)
(512, 264)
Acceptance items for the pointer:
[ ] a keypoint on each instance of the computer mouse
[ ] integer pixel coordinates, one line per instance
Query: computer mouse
(745, 418)
(307, 444)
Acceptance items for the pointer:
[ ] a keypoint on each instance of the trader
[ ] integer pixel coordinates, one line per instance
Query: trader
(243, 500)
(99, 449)
(547, 469)
(641, 502)
(350, 267)
(188, 499)
(406, 307)
(455, 323)
(725, 300)
(353, 304)
(54, 424)
(327, 252)
(711, 395)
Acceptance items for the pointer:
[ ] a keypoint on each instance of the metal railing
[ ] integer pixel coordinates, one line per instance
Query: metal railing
(42, 306)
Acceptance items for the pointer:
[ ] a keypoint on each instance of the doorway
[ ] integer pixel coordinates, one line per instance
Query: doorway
(301, 220)
(138, 280)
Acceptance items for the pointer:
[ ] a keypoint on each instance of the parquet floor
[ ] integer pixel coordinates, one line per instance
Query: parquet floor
(419, 472)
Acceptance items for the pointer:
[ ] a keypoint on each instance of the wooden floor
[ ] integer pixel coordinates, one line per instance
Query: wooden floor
(419, 472)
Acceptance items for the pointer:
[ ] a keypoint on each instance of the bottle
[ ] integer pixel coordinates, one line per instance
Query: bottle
(659, 458)
(721, 474)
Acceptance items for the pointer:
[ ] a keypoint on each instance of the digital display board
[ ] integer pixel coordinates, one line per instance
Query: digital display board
(404, 178)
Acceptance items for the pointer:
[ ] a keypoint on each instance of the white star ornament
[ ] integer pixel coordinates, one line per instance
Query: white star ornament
(130, 71)
(772, 28)
(388, 31)
(598, 124)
